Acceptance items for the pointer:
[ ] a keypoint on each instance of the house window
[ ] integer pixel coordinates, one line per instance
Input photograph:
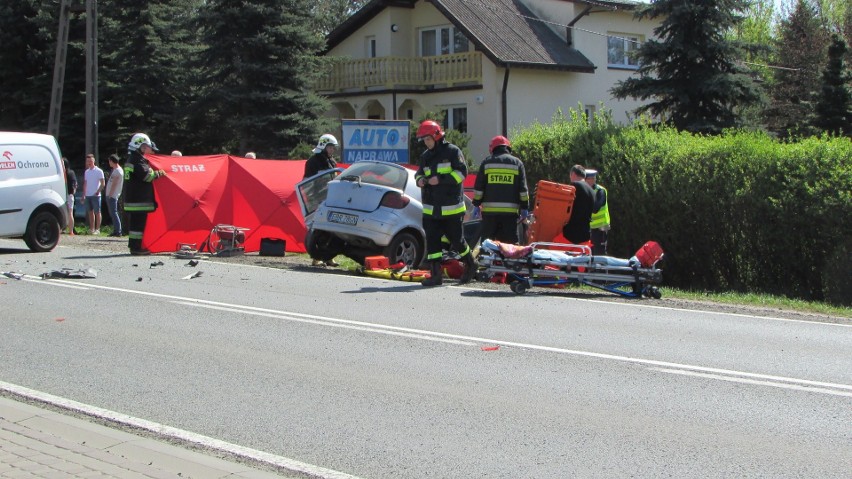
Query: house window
(620, 49)
(442, 41)
(371, 47)
(455, 118)
(590, 114)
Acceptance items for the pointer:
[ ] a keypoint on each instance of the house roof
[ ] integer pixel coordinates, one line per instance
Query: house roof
(506, 31)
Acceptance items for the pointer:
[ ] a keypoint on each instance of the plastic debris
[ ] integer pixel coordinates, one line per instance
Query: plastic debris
(490, 348)
(193, 263)
(17, 276)
(155, 264)
(71, 273)
(193, 275)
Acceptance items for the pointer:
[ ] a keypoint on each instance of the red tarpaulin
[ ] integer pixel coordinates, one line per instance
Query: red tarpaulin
(200, 192)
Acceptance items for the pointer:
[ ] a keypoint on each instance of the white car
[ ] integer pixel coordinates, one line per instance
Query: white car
(371, 208)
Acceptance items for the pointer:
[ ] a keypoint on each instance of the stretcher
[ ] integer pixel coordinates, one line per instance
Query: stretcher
(558, 264)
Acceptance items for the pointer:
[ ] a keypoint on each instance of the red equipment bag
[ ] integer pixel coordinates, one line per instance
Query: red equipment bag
(453, 268)
(649, 254)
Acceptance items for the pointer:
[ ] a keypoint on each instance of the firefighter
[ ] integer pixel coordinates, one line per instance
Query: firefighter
(501, 192)
(599, 224)
(441, 175)
(323, 157)
(139, 198)
(321, 160)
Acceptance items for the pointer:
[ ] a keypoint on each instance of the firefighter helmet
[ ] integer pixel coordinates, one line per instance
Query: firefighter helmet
(430, 128)
(498, 141)
(324, 141)
(140, 139)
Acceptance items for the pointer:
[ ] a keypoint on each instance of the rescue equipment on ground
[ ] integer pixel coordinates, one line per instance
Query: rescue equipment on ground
(226, 240)
(553, 264)
(272, 247)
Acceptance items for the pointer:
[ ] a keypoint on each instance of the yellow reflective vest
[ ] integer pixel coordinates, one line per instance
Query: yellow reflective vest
(600, 219)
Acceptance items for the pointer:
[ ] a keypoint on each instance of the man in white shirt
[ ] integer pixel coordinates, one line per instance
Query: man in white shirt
(113, 192)
(93, 185)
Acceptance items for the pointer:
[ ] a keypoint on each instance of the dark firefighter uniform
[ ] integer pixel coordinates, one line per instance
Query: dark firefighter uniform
(319, 162)
(139, 197)
(443, 204)
(501, 193)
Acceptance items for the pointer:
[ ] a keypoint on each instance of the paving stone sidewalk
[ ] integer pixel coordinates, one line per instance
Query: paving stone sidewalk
(39, 443)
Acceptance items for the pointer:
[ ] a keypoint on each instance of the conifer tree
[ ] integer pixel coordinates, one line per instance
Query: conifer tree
(690, 74)
(834, 101)
(260, 61)
(28, 39)
(332, 13)
(799, 56)
(145, 78)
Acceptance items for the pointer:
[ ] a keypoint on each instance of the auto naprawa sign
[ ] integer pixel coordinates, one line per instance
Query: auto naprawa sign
(375, 140)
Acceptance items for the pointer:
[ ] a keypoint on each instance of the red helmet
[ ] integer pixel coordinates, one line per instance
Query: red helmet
(430, 128)
(498, 141)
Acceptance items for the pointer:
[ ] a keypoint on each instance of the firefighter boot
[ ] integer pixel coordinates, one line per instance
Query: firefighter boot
(470, 269)
(436, 276)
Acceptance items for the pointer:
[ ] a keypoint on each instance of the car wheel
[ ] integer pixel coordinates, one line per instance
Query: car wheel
(42, 232)
(322, 245)
(405, 248)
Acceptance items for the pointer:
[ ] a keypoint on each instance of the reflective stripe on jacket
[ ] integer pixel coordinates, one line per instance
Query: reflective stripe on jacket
(446, 162)
(139, 189)
(501, 184)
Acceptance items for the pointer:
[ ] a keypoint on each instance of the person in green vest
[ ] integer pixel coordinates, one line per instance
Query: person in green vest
(600, 215)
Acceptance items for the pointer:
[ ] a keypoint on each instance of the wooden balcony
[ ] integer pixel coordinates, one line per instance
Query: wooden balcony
(403, 72)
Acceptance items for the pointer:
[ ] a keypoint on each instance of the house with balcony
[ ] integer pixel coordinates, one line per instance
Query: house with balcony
(490, 65)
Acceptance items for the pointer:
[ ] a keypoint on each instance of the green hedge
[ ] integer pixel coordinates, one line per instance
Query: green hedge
(740, 211)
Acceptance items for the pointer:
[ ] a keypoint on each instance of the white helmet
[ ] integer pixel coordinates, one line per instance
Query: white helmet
(140, 139)
(324, 141)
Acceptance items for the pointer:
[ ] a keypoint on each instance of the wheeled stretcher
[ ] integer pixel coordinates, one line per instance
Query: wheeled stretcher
(551, 264)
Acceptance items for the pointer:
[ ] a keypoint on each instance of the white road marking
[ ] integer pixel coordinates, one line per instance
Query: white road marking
(162, 430)
(752, 381)
(435, 336)
(340, 323)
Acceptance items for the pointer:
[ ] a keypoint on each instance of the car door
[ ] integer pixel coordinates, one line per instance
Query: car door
(312, 191)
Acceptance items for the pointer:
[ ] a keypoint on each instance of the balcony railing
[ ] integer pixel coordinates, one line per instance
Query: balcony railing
(403, 72)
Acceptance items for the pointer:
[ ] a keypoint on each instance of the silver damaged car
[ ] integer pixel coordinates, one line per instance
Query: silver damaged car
(371, 208)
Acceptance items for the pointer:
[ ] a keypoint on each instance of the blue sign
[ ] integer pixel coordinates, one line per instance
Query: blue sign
(376, 140)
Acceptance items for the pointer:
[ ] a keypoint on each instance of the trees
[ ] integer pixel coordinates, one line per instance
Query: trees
(331, 13)
(259, 61)
(691, 74)
(834, 100)
(145, 80)
(799, 55)
(26, 55)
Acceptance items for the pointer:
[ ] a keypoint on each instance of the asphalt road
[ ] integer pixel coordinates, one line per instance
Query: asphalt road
(387, 379)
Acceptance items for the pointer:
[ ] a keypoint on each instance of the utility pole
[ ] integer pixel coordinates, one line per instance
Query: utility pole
(59, 70)
(53, 122)
(92, 77)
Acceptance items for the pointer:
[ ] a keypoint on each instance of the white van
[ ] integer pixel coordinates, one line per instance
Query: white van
(32, 189)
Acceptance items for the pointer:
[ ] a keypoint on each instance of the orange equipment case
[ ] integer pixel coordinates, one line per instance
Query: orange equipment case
(553, 202)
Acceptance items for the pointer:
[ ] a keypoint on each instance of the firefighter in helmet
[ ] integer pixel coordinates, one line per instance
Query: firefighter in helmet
(501, 192)
(323, 157)
(139, 198)
(441, 176)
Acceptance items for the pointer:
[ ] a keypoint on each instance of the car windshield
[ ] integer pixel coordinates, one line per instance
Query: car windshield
(383, 174)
